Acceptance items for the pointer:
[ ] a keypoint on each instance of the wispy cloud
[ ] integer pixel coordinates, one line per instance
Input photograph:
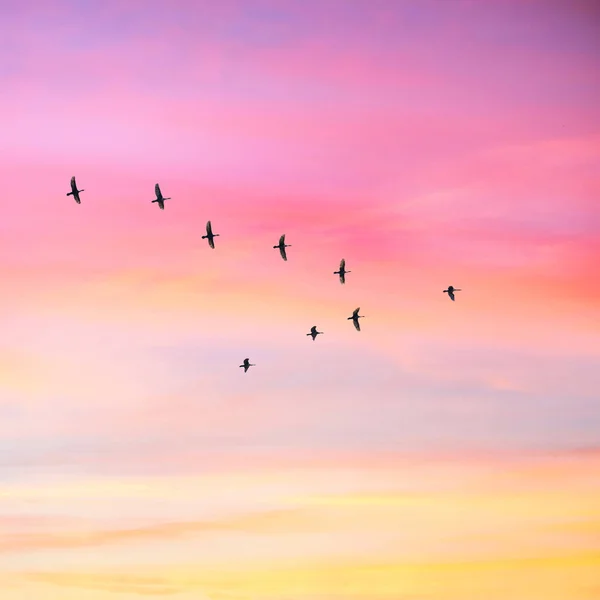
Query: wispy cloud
(448, 450)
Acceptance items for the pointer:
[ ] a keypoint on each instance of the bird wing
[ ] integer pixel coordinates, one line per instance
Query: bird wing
(211, 242)
(355, 313)
(313, 329)
(157, 191)
(357, 324)
(73, 184)
(209, 228)
(283, 253)
(451, 294)
(342, 277)
(343, 264)
(282, 240)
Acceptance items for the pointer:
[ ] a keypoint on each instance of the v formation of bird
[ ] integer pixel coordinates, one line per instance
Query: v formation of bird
(210, 236)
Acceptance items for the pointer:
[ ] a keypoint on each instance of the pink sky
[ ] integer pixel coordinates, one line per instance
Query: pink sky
(428, 143)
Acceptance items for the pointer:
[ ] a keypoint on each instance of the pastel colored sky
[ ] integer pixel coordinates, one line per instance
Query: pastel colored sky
(448, 450)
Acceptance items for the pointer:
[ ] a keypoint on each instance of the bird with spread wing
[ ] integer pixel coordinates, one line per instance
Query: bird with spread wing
(355, 317)
(314, 333)
(450, 291)
(282, 246)
(246, 364)
(74, 191)
(210, 236)
(160, 199)
(342, 272)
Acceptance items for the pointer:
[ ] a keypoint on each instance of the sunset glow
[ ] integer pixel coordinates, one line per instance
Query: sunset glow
(448, 450)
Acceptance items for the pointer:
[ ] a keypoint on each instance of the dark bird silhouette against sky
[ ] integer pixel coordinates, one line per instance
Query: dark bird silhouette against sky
(355, 317)
(159, 197)
(282, 246)
(74, 191)
(342, 272)
(450, 291)
(314, 333)
(210, 236)
(247, 364)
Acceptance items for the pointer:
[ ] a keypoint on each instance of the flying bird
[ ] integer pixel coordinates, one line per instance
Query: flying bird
(355, 317)
(210, 236)
(159, 197)
(342, 272)
(247, 364)
(282, 246)
(450, 291)
(314, 333)
(74, 191)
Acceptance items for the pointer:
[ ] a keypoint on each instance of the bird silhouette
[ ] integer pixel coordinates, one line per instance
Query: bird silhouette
(314, 333)
(159, 197)
(210, 235)
(282, 246)
(246, 364)
(342, 272)
(74, 191)
(355, 317)
(450, 291)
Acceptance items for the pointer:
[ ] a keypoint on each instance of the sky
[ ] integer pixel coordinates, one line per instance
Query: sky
(448, 450)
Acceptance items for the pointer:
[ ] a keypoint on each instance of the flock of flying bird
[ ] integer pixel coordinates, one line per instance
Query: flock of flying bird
(210, 236)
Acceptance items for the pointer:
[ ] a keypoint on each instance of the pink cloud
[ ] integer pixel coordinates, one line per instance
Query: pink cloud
(461, 151)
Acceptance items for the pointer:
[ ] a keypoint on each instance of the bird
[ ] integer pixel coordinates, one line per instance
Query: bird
(450, 291)
(314, 333)
(210, 236)
(74, 191)
(282, 246)
(355, 317)
(247, 364)
(342, 272)
(159, 197)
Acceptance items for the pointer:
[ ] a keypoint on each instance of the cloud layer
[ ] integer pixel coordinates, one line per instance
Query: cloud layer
(446, 451)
